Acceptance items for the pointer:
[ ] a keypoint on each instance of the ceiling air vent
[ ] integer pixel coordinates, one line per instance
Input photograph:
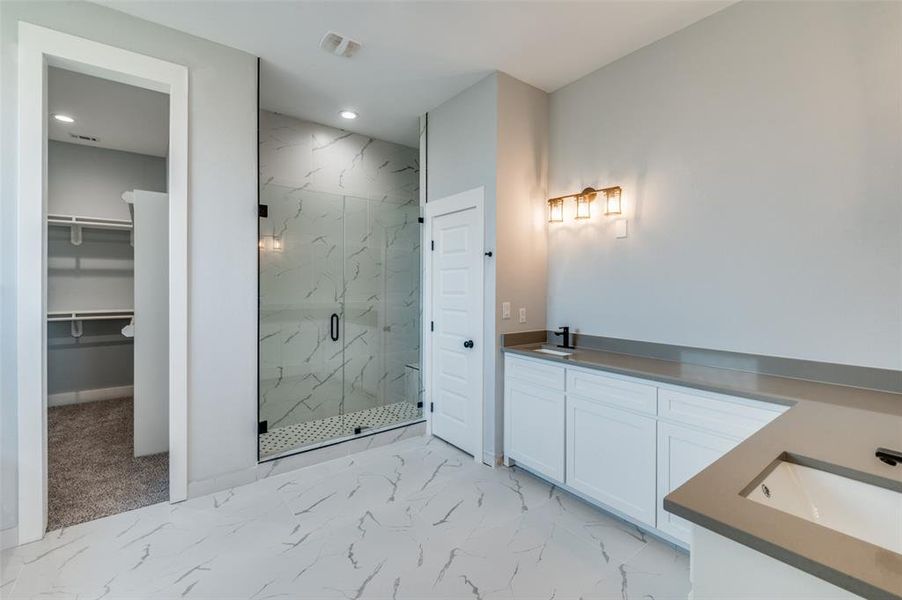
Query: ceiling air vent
(339, 45)
(84, 138)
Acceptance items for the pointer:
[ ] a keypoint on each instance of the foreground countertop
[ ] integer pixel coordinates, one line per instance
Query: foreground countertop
(834, 427)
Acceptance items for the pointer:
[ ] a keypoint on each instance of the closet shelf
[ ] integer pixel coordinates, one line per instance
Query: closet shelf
(76, 223)
(76, 318)
(90, 315)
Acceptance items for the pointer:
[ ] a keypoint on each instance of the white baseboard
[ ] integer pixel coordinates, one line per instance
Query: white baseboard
(77, 397)
(9, 538)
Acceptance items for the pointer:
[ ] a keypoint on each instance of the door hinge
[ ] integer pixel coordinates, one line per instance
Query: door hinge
(431, 407)
(432, 243)
(431, 325)
(420, 404)
(421, 220)
(263, 210)
(262, 427)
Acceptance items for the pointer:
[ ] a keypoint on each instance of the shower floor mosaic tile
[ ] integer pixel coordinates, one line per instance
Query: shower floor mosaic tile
(414, 520)
(294, 436)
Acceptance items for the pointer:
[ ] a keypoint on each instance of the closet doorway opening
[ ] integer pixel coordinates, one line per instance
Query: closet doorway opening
(102, 281)
(107, 298)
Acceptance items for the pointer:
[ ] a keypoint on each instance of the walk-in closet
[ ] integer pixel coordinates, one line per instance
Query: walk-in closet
(107, 297)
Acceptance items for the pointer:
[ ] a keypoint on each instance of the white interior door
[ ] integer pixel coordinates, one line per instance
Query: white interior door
(457, 323)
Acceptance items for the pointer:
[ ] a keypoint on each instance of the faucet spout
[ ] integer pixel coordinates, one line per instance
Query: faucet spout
(565, 334)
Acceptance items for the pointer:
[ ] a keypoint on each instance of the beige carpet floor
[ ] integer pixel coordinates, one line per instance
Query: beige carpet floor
(92, 472)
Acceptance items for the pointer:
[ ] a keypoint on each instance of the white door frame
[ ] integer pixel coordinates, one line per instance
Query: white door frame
(474, 198)
(39, 48)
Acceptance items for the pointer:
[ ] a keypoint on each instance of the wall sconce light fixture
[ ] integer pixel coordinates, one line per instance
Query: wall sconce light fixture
(556, 210)
(612, 205)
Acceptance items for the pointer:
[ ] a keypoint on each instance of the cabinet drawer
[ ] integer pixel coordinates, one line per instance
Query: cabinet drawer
(534, 371)
(735, 417)
(617, 392)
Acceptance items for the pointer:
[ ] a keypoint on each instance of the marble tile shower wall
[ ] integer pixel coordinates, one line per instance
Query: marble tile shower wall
(343, 207)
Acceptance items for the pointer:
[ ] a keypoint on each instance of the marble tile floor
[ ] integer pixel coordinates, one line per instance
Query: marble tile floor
(417, 519)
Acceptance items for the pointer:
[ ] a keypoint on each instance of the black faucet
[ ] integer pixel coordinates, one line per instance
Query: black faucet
(565, 332)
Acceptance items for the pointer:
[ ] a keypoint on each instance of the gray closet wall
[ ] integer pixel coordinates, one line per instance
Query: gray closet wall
(88, 181)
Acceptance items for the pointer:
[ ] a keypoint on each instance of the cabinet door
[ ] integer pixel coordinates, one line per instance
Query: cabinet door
(682, 453)
(535, 427)
(611, 457)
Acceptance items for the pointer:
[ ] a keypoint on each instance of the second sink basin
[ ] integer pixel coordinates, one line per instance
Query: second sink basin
(552, 352)
(858, 509)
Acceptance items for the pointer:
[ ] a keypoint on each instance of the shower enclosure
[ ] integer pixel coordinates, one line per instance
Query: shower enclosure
(339, 317)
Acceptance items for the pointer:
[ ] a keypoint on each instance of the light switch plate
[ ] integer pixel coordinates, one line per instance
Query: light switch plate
(621, 228)
(505, 310)
(523, 315)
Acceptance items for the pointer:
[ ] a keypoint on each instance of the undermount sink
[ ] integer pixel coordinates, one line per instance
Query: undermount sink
(552, 352)
(858, 509)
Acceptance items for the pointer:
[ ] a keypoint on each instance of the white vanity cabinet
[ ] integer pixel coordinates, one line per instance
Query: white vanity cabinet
(534, 416)
(620, 441)
(695, 428)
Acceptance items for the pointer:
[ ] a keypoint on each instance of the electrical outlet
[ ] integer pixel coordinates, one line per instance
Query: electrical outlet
(505, 310)
(523, 315)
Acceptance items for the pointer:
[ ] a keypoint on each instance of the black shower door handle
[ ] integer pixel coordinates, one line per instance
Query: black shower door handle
(333, 327)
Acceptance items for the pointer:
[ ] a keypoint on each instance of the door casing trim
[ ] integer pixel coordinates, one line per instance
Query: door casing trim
(40, 47)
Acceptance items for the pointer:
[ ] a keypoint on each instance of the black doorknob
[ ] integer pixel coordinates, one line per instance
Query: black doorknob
(468, 344)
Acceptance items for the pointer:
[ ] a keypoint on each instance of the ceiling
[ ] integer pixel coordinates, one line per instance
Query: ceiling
(416, 55)
(120, 116)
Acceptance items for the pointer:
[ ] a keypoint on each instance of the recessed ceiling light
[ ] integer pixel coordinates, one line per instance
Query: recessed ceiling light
(64, 118)
(348, 114)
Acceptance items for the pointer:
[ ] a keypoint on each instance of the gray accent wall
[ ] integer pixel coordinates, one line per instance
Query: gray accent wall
(89, 182)
(495, 135)
(760, 155)
(461, 149)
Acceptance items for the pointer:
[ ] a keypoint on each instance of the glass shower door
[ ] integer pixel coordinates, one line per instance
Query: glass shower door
(382, 313)
(339, 318)
(301, 313)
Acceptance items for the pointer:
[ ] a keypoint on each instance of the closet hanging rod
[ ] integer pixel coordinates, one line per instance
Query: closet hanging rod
(76, 223)
(90, 315)
(91, 222)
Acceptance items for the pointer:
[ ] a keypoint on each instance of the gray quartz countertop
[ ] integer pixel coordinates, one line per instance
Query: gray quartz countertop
(833, 427)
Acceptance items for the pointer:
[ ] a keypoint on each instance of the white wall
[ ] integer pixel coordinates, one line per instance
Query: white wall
(222, 230)
(760, 155)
